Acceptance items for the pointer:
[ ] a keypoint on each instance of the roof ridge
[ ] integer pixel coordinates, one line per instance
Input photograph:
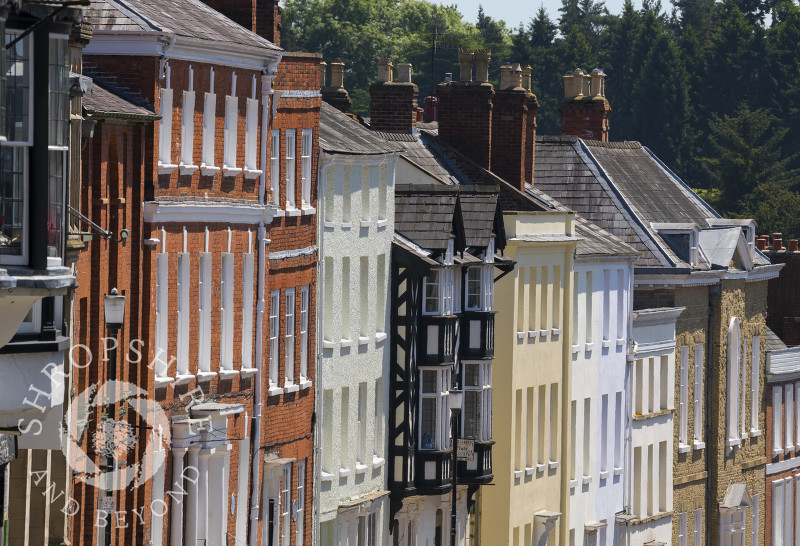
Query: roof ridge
(132, 14)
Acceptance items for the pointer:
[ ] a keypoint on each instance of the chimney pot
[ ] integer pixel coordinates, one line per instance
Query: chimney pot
(761, 244)
(526, 77)
(323, 67)
(793, 245)
(598, 83)
(482, 58)
(448, 77)
(465, 61)
(384, 70)
(404, 72)
(337, 75)
(777, 241)
(516, 75)
(505, 76)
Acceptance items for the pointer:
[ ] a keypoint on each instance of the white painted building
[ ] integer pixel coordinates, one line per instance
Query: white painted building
(356, 196)
(601, 311)
(649, 456)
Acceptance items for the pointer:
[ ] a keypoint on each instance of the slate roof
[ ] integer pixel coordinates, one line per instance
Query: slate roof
(478, 207)
(340, 134)
(104, 101)
(772, 342)
(189, 18)
(424, 214)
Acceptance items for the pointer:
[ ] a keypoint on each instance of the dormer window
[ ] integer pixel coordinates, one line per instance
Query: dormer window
(682, 239)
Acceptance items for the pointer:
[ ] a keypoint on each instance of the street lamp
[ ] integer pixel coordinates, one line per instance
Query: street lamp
(456, 399)
(114, 311)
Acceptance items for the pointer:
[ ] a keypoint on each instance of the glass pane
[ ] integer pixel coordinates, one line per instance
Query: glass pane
(473, 287)
(18, 88)
(429, 382)
(472, 414)
(472, 375)
(59, 92)
(428, 423)
(12, 199)
(55, 204)
(432, 292)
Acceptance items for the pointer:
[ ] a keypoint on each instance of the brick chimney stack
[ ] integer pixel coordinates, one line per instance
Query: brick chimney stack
(393, 104)
(585, 110)
(465, 108)
(510, 128)
(530, 128)
(260, 16)
(335, 94)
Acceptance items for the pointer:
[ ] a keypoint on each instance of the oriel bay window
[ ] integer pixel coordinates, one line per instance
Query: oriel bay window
(477, 379)
(434, 411)
(480, 288)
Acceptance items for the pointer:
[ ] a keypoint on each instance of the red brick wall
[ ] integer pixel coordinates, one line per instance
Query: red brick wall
(465, 119)
(768, 436)
(586, 118)
(260, 16)
(783, 315)
(530, 138)
(393, 106)
(509, 136)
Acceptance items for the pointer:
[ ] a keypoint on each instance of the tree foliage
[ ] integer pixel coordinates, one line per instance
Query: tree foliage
(712, 87)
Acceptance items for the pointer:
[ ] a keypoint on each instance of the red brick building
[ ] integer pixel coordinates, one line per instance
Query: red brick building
(783, 442)
(217, 193)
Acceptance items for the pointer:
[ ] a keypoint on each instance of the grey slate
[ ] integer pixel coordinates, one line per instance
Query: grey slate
(106, 101)
(341, 134)
(189, 18)
(425, 214)
(478, 207)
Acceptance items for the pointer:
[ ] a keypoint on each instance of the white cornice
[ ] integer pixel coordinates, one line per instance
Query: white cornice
(184, 48)
(207, 212)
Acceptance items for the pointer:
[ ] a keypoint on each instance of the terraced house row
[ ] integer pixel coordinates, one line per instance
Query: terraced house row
(235, 313)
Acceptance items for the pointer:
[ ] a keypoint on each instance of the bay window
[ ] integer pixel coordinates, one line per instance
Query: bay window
(290, 168)
(480, 288)
(305, 166)
(477, 378)
(438, 292)
(433, 414)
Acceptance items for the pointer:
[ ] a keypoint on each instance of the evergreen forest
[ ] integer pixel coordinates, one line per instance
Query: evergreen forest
(712, 87)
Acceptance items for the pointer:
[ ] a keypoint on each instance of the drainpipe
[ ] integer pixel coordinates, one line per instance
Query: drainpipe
(266, 90)
(318, 406)
(712, 301)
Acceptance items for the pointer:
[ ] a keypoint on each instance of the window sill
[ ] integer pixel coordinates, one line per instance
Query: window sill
(604, 475)
(529, 470)
(329, 225)
(382, 223)
(252, 173)
(734, 442)
(378, 462)
(345, 472)
(290, 387)
(699, 445)
(754, 433)
(361, 468)
(573, 484)
(518, 474)
(776, 452)
(520, 335)
(380, 336)
(588, 347)
(230, 171)
(366, 224)
(166, 168)
(305, 383)
(182, 379)
(543, 334)
(228, 374)
(552, 465)
(305, 210)
(606, 343)
(556, 331)
(205, 376)
(347, 225)
(617, 471)
(586, 480)
(248, 372)
(540, 468)
(362, 340)
(533, 333)
(788, 449)
(291, 211)
(576, 349)
(346, 343)
(326, 476)
(684, 448)
(274, 390)
(208, 170)
(187, 169)
(620, 341)
(163, 381)
(279, 212)
(328, 344)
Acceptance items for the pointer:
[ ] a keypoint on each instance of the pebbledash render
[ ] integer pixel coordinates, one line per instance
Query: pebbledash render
(217, 185)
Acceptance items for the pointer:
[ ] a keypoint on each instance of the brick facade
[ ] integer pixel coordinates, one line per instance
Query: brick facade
(784, 297)
(586, 117)
(465, 119)
(393, 106)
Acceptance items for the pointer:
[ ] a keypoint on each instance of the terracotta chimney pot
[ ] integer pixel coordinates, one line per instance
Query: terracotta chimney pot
(793, 245)
(777, 241)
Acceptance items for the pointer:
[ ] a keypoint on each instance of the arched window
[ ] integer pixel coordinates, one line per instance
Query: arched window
(734, 345)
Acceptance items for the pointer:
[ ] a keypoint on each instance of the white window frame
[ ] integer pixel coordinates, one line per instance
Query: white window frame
(291, 168)
(698, 395)
(777, 420)
(300, 513)
(251, 169)
(441, 410)
(474, 289)
(683, 401)
(754, 523)
(306, 146)
(778, 514)
(230, 139)
(289, 315)
(433, 279)
(797, 413)
(698, 527)
(788, 416)
(275, 166)
(304, 311)
(286, 504)
(683, 521)
(755, 392)
(733, 380)
(274, 336)
(484, 391)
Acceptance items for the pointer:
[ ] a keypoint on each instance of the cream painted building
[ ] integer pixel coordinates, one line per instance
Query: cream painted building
(527, 504)
(357, 203)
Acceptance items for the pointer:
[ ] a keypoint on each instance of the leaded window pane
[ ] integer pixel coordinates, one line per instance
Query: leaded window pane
(18, 89)
(472, 414)
(429, 382)
(428, 423)
(12, 199)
